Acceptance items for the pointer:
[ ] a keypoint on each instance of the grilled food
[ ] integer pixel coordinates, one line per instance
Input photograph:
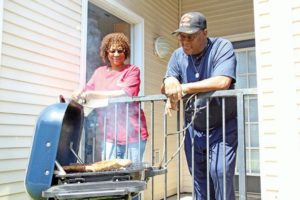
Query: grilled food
(105, 165)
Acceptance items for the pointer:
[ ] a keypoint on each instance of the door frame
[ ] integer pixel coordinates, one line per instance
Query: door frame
(136, 35)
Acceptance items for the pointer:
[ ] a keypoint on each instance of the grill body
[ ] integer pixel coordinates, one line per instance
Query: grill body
(56, 143)
(58, 126)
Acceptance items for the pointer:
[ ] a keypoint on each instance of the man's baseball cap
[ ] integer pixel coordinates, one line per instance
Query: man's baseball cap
(191, 22)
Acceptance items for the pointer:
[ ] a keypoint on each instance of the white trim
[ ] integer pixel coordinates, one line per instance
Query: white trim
(137, 33)
(82, 80)
(84, 15)
(137, 52)
(118, 10)
(240, 37)
(245, 49)
(1, 27)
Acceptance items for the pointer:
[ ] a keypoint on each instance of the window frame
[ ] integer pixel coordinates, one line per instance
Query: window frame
(248, 123)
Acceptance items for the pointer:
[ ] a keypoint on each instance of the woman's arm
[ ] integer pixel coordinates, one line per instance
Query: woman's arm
(102, 94)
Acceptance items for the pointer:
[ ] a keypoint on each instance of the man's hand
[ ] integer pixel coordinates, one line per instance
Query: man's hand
(170, 106)
(172, 89)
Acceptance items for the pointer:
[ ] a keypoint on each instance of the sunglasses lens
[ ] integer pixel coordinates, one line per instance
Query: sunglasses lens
(116, 50)
(188, 37)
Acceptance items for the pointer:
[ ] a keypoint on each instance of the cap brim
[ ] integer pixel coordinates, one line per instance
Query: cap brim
(187, 30)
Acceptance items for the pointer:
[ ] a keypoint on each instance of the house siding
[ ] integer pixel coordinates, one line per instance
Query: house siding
(40, 59)
(277, 42)
(224, 18)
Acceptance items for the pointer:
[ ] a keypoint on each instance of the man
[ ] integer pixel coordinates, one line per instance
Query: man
(204, 64)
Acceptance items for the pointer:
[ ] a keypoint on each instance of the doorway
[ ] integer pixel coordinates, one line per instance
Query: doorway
(99, 24)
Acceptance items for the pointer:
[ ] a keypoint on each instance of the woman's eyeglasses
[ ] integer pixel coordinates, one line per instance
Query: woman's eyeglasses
(113, 51)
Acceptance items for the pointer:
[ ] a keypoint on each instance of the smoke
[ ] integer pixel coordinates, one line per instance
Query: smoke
(93, 42)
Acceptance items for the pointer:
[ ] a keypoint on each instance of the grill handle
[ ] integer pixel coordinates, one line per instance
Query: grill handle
(121, 178)
(92, 194)
(74, 153)
(154, 171)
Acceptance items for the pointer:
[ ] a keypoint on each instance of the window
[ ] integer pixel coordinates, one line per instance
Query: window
(246, 68)
(246, 78)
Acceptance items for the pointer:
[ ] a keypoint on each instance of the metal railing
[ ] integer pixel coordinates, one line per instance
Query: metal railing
(153, 100)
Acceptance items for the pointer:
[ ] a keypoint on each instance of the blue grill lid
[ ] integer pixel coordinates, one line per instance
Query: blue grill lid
(58, 126)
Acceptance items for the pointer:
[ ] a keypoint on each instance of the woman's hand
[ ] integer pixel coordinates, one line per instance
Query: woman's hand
(82, 96)
(76, 95)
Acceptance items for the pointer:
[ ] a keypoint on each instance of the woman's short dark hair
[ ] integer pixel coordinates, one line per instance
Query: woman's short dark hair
(118, 39)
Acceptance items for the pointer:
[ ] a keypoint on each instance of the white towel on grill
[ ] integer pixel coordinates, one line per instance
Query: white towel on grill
(94, 103)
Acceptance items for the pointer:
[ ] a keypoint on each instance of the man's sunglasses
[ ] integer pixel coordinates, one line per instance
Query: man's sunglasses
(188, 37)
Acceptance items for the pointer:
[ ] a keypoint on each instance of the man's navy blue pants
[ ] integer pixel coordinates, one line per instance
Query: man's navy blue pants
(216, 156)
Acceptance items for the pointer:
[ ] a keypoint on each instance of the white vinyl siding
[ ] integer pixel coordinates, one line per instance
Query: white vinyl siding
(40, 59)
(1, 23)
(224, 18)
(277, 51)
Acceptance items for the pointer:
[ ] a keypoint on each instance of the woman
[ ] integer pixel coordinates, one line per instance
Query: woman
(114, 80)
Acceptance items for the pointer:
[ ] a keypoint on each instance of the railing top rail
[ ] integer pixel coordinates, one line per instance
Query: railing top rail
(228, 93)
(160, 97)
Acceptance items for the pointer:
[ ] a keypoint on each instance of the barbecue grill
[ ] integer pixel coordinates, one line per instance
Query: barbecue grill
(56, 143)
